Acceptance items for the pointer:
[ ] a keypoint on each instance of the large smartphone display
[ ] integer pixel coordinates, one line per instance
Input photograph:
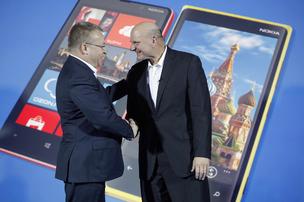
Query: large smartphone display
(242, 58)
(32, 130)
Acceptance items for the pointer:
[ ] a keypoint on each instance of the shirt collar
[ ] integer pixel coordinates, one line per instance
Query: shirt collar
(160, 62)
(88, 64)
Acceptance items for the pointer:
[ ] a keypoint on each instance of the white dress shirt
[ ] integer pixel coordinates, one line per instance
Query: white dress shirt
(88, 64)
(154, 75)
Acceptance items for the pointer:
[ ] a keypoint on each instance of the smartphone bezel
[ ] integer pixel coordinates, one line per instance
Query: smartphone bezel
(241, 23)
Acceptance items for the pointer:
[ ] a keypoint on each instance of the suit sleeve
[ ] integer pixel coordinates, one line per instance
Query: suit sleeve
(200, 109)
(131, 103)
(97, 108)
(117, 90)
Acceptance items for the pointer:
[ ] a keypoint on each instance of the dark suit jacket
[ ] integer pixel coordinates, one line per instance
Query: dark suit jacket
(92, 131)
(180, 125)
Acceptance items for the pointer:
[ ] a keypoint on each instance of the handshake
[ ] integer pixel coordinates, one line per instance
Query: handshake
(134, 127)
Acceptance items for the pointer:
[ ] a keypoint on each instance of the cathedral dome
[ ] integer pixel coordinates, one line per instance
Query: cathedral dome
(227, 107)
(247, 99)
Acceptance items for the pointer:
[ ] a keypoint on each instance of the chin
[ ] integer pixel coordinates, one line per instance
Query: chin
(100, 65)
(141, 57)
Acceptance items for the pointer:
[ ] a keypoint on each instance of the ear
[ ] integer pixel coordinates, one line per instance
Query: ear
(83, 49)
(153, 39)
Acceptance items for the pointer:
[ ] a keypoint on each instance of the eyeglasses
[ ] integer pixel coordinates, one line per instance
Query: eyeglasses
(99, 46)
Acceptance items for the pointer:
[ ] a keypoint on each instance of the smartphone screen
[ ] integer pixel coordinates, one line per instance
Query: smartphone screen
(32, 130)
(241, 58)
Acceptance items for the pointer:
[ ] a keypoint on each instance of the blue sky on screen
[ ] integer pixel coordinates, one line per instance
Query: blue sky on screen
(212, 44)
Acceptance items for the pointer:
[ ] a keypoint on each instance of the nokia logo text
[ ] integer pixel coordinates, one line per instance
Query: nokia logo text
(268, 31)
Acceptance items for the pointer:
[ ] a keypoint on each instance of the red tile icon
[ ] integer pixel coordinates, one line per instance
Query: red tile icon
(120, 32)
(38, 118)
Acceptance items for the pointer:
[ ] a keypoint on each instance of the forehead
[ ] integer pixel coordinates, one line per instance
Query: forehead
(134, 33)
(138, 34)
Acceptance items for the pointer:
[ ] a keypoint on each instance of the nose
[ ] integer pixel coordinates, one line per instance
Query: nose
(104, 50)
(132, 48)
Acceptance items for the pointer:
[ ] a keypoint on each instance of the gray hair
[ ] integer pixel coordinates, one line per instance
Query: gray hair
(80, 33)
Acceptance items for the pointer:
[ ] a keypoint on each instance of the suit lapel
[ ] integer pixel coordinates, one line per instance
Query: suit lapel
(165, 75)
(144, 88)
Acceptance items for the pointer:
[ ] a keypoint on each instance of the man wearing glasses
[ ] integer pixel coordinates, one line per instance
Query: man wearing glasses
(89, 152)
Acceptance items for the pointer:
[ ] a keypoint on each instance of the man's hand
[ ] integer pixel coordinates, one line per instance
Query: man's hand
(134, 127)
(120, 67)
(200, 166)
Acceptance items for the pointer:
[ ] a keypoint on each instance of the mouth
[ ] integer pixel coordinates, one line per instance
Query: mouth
(139, 54)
